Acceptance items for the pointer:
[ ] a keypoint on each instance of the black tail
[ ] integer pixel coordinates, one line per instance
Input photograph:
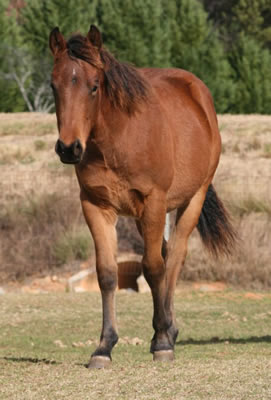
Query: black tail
(214, 226)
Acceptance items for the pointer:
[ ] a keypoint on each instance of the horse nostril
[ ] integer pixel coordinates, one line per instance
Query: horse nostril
(77, 148)
(70, 154)
(60, 146)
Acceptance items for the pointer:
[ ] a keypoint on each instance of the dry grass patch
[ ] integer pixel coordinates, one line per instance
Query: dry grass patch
(73, 245)
(41, 233)
(27, 124)
(40, 145)
(244, 133)
(241, 204)
(249, 266)
(11, 156)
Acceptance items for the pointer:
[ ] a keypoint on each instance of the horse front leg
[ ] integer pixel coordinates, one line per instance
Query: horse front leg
(102, 226)
(152, 228)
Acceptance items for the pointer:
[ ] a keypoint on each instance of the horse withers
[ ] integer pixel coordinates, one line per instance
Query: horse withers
(144, 142)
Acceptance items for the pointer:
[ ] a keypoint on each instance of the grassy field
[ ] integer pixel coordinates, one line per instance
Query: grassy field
(41, 226)
(223, 350)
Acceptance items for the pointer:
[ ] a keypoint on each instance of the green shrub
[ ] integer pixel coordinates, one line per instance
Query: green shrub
(40, 145)
(72, 246)
(249, 204)
(267, 150)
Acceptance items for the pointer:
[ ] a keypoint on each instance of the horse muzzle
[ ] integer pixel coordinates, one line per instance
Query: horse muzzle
(71, 154)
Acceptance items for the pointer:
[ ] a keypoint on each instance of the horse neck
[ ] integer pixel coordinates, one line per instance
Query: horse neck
(111, 122)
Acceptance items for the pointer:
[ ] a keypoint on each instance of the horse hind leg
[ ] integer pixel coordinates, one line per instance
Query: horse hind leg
(151, 227)
(186, 220)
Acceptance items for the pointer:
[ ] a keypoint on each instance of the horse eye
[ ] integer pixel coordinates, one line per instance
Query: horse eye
(94, 90)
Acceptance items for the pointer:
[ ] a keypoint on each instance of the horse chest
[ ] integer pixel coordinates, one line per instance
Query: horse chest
(106, 189)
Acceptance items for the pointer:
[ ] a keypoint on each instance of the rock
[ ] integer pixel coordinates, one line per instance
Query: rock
(85, 280)
(90, 342)
(133, 341)
(45, 285)
(143, 286)
(128, 272)
(254, 296)
(136, 341)
(79, 289)
(78, 344)
(60, 344)
(209, 287)
(129, 269)
(33, 290)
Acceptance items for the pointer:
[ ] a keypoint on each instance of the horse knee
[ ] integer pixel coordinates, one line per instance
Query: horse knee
(107, 278)
(154, 269)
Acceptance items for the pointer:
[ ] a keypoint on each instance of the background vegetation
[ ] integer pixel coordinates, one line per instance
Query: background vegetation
(227, 43)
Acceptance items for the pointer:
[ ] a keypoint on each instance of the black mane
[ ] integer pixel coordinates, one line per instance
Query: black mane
(124, 85)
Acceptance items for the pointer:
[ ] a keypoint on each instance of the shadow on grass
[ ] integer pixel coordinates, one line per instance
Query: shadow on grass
(38, 361)
(31, 360)
(215, 340)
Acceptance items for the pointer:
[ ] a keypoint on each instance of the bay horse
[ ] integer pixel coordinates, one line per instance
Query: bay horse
(144, 142)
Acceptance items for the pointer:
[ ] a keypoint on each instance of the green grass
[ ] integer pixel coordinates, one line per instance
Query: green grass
(223, 350)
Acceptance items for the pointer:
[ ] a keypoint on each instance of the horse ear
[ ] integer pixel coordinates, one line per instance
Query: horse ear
(95, 37)
(56, 41)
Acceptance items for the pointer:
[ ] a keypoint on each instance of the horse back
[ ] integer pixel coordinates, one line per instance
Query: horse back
(184, 93)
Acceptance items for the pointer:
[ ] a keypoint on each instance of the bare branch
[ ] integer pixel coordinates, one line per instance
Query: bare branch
(20, 83)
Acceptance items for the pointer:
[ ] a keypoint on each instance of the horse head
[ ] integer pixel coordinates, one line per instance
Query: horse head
(76, 83)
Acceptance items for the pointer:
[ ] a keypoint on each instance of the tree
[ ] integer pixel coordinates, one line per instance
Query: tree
(231, 17)
(250, 16)
(39, 17)
(10, 99)
(135, 31)
(196, 48)
(227, 46)
(27, 59)
(35, 91)
(251, 64)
